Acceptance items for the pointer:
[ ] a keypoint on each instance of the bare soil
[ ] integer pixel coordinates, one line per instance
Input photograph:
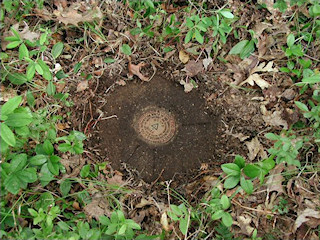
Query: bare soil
(203, 137)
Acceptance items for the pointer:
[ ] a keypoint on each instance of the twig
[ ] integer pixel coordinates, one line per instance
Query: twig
(252, 209)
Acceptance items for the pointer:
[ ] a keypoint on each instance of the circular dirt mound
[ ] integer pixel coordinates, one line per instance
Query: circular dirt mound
(159, 129)
(155, 125)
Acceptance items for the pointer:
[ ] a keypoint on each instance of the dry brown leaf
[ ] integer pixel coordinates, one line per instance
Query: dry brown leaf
(26, 33)
(94, 210)
(255, 147)
(274, 182)
(193, 68)
(116, 180)
(76, 205)
(273, 119)
(308, 216)
(164, 222)
(188, 86)
(135, 70)
(71, 15)
(183, 56)
(244, 224)
(7, 93)
(262, 67)
(256, 79)
(83, 85)
(143, 202)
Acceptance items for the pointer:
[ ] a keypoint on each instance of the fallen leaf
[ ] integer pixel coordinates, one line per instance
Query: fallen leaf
(193, 68)
(275, 179)
(83, 85)
(76, 205)
(244, 224)
(255, 147)
(116, 179)
(262, 67)
(255, 78)
(143, 203)
(135, 70)
(206, 62)
(7, 93)
(288, 94)
(188, 86)
(183, 56)
(273, 119)
(308, 216)
(26, 33)
(164, 222)
(71, 15)
(94, 210)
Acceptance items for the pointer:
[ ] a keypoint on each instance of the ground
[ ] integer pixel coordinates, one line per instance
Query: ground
(127, 129)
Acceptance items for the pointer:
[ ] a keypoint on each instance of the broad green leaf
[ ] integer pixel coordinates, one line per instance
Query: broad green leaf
(53, 166)
(18, 162)
(125, 48)
(183, 225)
(31, 70)
(18, 119)
(176, 210)
(198, 36)
(46, 70)
(38, 68)
(23, 51)
(77, 67)
(51, 88)
(290, 40)
(109, 60)
(13, 44)
(225, 202)
(33, 212)
(272, 136)
(312, 79)
(64, 226)
(227, 14)
(247, 50)
(43, 38)
(7, 135)
(246, 185)
(64, 147)
(189, 23)
(251, 170)
(12, 184)
(231, 182)
(227, 219)
(3, 146)
(122, 229)
(65, 187)
(268, 164)
(17, 78)
(11, 105)
(38, 160)
(28, 175)
(85, 171)
(302, 106)
(217, 215)
(45, 175)
(231, 169)
(188, 36)
(48, 147)
(239, 161)
(297, 50)
(57, 49)
(30, 99)
(22, 131)
(237, 49)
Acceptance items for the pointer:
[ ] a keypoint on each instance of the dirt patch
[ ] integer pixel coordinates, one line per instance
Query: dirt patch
(158, 129)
